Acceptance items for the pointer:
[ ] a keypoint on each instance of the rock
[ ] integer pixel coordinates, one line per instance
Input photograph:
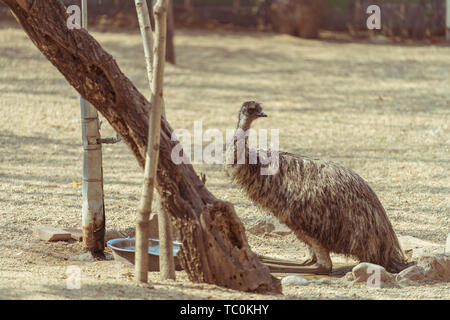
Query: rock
(294, 280)
(76, 234)
(430, 267)
(324, 281)
(348, 277)
(410, 276)
(374, 275)
(48, 233)
(435, 267)
(416, 247)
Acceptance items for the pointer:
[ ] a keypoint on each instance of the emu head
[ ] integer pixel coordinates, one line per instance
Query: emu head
(250, 111)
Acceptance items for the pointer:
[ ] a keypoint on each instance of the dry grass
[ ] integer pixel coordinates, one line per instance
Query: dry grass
(381, 110)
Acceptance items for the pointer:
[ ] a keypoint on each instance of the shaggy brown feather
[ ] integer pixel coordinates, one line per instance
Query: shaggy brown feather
(324, 201)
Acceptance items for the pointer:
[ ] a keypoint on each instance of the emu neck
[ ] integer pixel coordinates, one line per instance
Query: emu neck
(242, 127)
(244, 123)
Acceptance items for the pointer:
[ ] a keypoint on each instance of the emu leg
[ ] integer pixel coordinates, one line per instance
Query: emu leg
(319, 261)
(270, 260)
(323, 265)
(309, 260)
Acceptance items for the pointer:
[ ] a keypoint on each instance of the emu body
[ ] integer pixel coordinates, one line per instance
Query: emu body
(329, 207)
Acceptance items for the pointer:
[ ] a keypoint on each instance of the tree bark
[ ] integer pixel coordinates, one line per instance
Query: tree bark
(215, 249)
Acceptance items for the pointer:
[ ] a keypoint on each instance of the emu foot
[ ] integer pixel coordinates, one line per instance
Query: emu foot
(269, 260)
(306, 262)
(312, 269)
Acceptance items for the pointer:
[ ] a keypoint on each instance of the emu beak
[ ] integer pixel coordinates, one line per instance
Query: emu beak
(262, 114)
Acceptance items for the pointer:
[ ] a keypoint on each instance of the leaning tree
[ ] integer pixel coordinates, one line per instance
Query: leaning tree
(215, 248)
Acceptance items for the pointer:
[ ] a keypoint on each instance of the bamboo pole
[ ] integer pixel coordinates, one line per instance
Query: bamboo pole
(93, 210)
(166, 261)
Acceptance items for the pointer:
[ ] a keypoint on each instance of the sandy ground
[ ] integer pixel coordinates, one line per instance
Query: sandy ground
(381, 110)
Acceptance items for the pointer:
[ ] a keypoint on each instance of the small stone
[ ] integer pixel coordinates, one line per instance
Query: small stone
(76, 234)
(48, 233)
(348, 277)
(435, 266)
(294, 280)
(324, 281)
(416, 247)
(409, 276)
(367, 272)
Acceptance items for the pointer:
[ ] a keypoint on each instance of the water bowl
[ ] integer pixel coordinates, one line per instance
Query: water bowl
(124, 250)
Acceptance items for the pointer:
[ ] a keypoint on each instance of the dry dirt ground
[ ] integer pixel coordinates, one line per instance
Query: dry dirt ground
(381, 110)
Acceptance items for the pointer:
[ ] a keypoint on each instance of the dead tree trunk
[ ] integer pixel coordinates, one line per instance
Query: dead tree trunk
(215, 249)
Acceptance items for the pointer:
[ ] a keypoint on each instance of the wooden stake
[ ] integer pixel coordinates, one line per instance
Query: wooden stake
(166, 261)
(146, 33)
(145, 205)
(155, 73)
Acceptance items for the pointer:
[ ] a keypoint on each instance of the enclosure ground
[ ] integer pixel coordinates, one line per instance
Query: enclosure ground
(381, 110)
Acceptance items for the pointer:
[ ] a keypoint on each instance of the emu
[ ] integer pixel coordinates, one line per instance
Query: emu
(328, 207)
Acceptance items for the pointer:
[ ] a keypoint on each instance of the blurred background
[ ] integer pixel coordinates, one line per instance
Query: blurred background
(401, 19)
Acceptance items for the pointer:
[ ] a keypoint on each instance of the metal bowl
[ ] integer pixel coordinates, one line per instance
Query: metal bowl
(124, 249)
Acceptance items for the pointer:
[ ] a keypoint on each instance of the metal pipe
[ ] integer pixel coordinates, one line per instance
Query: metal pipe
(93, 210)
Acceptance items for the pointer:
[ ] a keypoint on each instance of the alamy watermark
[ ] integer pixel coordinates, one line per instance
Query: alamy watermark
(74, 19)
(73, 280)
(238, 147)
(374, 20)
(374, 280)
